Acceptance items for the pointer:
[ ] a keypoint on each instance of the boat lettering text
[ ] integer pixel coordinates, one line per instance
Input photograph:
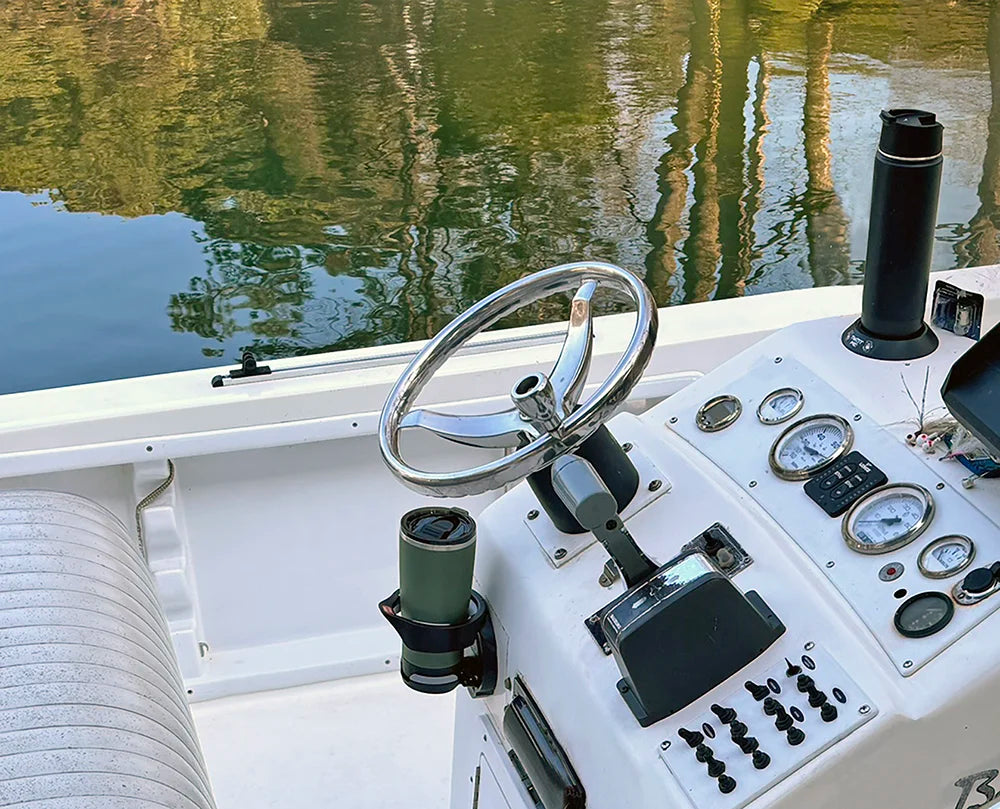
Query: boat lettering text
(982, 782)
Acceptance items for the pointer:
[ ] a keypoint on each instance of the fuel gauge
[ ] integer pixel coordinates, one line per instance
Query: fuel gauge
(946, 556)
(780, 405)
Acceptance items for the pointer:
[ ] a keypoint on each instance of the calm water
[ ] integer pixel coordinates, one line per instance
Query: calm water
(180, 179)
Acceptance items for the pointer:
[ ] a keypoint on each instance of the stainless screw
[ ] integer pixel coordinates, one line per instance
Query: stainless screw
(864, 709)
(593, 619)
(627, 446)
(777, 359)
(907, 664)
(533, 514)
(810, 646)
(831, 563)
(654, 485)
(665, 745)
(673, 419)
(940, 486)
(203, 648)
(507, 683)
(560, 553)
(753, 484)
(607, 650)
(857, 417)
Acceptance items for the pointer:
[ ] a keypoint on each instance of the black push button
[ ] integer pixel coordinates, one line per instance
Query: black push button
(761, 760)
(796, 736)
(828, 712)
(843, 484)
(771, 706)
(804, 683)
(703, 753)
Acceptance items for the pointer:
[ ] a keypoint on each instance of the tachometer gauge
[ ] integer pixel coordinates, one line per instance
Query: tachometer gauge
(810, 445)
(923, 615)
(888, 518)
(946, 556)
(780, 405)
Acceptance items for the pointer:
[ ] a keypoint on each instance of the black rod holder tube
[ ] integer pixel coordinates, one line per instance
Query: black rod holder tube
(905, 190)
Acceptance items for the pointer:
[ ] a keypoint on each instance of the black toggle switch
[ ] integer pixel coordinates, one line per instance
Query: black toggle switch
(771, 706)
(816, 698)
(782, 721)
(715, 767)
(758, 692)
(692, 737)
(796, 736)
(703, 753)
(748, 744)
(726, 715)
(726, 784)
(828, 712)
(804, 683)
(737, 729)
(761, 760)
(792, 669)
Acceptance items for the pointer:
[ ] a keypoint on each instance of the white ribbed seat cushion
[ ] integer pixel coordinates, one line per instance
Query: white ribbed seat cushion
(93, 711)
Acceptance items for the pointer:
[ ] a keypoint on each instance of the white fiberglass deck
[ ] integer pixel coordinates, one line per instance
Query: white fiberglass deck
(360, 743)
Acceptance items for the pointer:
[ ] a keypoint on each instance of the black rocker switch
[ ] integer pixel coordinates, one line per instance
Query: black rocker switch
(795, 736)
(726, 784)
(692, 737)
(804, 683)
(761, 760)
(748, 744)
(782, 721)
(758, 692)
(726, 715)
(704, 753)
(715, 767)
(828, 713)
(771, 706)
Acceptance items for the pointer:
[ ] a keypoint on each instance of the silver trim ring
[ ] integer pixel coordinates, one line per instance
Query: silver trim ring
(910, 159)
(577, 427)
(804, 474)
(893, 545)
(941, 540)
(800, 399)
(701, 418)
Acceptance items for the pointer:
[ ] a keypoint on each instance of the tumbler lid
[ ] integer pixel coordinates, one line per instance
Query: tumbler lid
(437, 526)
(910, 134)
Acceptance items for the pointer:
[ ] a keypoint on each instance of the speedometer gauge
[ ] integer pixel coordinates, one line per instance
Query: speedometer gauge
(780, 405)
(809, 445)
(888, 518)
(946, 556)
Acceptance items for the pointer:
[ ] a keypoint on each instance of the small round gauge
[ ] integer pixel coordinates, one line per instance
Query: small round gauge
(888, 518)
(947, 556)
(780, 405)
(718, 413)
(810, 445)
(923, 615)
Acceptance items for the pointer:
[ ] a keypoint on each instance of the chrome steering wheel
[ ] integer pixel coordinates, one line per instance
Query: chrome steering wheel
(547, 419)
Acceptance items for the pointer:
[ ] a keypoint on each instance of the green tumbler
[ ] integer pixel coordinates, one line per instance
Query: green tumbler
(437, 553)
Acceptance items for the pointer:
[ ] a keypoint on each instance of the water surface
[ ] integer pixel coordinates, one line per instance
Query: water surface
(182, 179)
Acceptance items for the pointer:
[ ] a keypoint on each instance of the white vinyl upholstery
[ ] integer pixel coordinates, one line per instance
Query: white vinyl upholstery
(93, 711)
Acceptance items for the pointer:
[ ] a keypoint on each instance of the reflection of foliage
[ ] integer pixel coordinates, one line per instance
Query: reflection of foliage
(364, 171)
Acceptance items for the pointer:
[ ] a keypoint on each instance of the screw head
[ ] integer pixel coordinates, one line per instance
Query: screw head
(560, 553)
(665, 745)
(831, 563)
(907, 664)
(810, 646)
(940, 486)
(777, 360)
(864, 709)
(627, 446)
(655, 485)
(673, 419)
(857, 417)
(533, 514)
(607, 650)
(753, 484)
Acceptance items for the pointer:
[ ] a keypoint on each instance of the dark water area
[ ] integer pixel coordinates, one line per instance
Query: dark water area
(183, 179)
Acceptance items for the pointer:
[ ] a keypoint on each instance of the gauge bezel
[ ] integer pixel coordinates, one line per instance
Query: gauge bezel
(800, 400)
(804, 474)
(914, 531)
(706, 427)
(943, 540)
(931, 630)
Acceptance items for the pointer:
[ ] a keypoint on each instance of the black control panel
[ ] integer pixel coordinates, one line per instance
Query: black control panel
(844, 483)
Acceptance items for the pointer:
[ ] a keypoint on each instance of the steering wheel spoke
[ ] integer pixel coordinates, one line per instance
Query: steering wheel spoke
(504, 430)
(570, 371)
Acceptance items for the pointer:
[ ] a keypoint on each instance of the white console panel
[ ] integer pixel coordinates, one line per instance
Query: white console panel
(926, 737)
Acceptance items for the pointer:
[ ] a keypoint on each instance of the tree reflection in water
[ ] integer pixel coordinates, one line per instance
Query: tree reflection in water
(360, 172)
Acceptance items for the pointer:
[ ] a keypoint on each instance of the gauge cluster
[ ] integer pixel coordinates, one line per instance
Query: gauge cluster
(887, 532)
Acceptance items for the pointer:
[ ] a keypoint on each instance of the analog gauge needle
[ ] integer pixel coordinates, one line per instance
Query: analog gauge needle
(809, 449)
(885, 520)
